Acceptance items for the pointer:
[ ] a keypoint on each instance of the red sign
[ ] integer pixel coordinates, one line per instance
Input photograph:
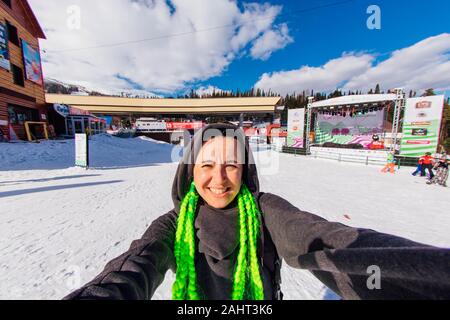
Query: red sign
(425, 123)
(418, 142)
(423, 105)
(77, 112)
(98, 120)
(184, 125)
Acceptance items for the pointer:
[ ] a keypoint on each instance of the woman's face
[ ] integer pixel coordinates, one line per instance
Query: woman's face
(218, 171)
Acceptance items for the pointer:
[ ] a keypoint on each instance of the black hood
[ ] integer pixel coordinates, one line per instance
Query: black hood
(185, 172)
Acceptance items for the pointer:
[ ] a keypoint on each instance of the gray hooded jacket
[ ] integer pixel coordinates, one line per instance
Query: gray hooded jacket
(338, 255)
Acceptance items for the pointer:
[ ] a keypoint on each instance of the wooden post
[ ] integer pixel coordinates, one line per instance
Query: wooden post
(45, 131)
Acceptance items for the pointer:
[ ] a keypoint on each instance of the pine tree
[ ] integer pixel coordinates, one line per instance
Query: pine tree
(377, 89)
(429, 92)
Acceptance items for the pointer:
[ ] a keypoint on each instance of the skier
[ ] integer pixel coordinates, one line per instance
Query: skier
(442, 172)
(428, 163)
(390, 165)
(225, 240)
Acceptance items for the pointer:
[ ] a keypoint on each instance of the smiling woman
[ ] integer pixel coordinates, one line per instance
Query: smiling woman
(218, 171)
(225, 239)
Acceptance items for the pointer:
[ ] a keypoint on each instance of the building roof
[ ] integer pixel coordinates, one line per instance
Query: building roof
(38, 32)
(119, 105)
(354, 99)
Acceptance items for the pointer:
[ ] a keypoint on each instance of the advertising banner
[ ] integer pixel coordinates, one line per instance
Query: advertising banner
(78, 112)
(4, 53)
(62, 109)
(421, 125)
(356, 129)
(32, 63)
(81, 150)
(183, 125)
(296, 128)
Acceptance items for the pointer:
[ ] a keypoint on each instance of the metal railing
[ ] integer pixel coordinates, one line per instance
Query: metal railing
(354, 158)
(295, 151)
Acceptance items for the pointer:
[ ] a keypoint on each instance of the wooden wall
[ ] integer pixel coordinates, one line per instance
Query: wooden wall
(31, 95)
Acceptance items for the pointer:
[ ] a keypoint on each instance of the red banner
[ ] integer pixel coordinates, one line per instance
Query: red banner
(77, 112)
(184, 125)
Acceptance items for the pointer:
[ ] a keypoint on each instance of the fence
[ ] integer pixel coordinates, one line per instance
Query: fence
(372, 159)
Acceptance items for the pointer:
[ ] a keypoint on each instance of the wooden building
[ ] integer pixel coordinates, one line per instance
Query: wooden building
(22, 96)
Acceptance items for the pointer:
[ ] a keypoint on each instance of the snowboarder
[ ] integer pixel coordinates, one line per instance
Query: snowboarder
(442, 172)
(225, 239)
(390, 165)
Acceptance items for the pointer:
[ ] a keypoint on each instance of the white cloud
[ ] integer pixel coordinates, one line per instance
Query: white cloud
(270, 41)
(423, 65)
(165, 64)
(324, 78)
(209, 90)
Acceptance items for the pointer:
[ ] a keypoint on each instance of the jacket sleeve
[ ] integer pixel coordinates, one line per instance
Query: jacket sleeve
(348, 260)
(136, 274)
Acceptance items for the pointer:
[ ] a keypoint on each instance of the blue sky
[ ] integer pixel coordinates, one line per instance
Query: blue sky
(323, 34)
(286, 46)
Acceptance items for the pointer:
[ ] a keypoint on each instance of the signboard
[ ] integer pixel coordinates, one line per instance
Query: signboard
(32, 63)
(108, 120)
(62, 109)
(77, 112)
(184, 125)
(4, 52)
(421, 125)
(356, 129)
(296, 128)
(81, 150)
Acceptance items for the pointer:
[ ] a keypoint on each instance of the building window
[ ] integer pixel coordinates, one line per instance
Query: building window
(12, 115)
(7, 2)
(18, 75)
(13, 36)
(18, 114)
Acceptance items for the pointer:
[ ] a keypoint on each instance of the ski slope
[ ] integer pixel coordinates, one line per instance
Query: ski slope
(60, 224)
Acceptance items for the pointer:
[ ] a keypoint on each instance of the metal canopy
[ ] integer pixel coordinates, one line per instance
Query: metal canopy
(399, 98)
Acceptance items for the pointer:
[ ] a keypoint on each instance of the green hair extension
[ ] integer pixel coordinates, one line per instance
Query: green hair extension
(185, 286)
(247, 282)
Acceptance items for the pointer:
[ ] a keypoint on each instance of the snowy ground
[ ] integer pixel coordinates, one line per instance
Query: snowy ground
(59, 225)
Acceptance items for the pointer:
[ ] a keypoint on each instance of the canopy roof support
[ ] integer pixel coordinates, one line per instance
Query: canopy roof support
(400, 102)
(399, 98)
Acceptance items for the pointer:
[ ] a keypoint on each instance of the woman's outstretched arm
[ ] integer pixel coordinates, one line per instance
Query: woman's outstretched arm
(349, 260)
(137, 273)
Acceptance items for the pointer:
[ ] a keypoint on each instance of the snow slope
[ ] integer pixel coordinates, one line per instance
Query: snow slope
(110, 152)
(59, 225)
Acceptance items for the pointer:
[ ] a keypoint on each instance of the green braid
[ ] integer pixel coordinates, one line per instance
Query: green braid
(185, 286)
(247, 282)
